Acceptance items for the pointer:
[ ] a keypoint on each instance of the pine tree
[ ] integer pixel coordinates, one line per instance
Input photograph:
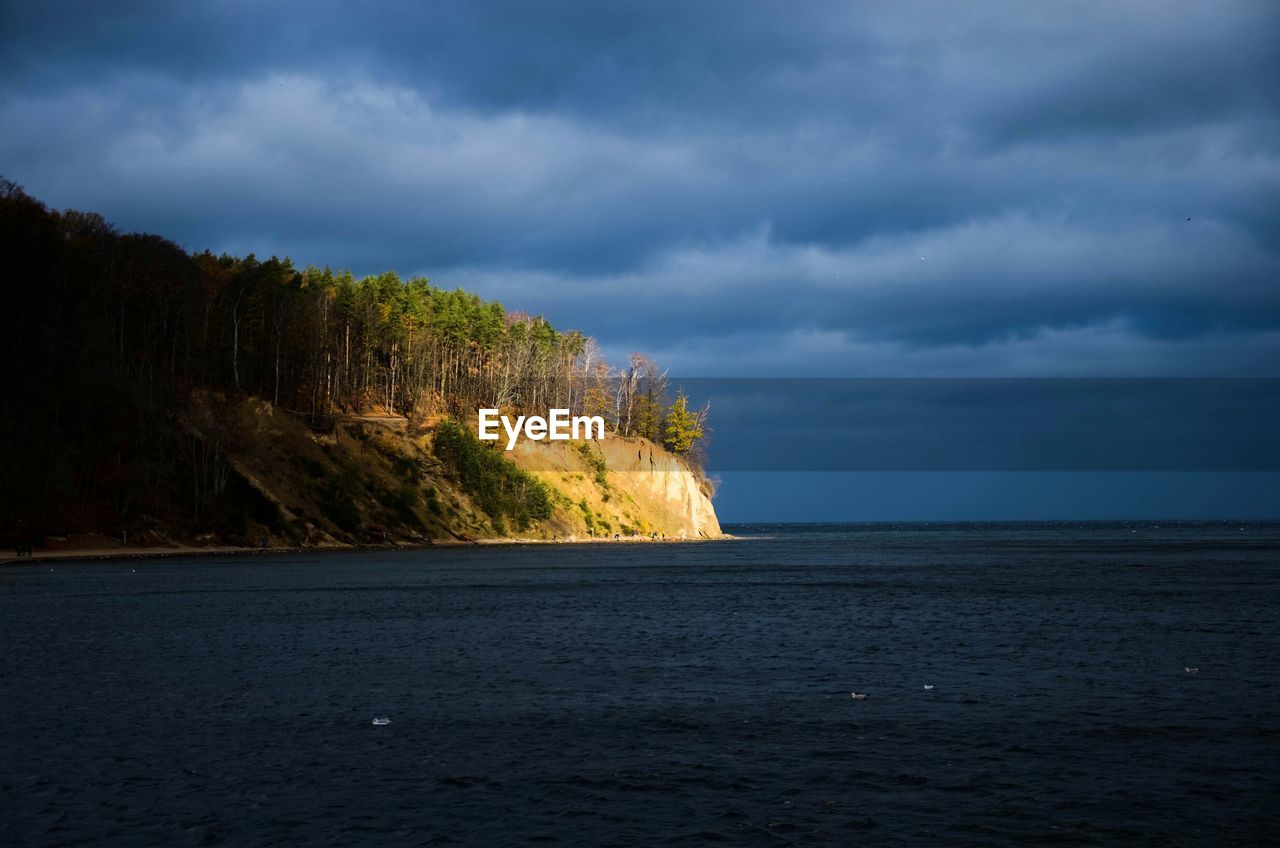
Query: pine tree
(683, 427)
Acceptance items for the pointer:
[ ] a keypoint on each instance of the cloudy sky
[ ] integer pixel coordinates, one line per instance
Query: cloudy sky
(781, 189)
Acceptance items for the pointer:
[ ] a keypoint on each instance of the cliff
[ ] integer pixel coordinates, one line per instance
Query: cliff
(642, 490)
(376, 480)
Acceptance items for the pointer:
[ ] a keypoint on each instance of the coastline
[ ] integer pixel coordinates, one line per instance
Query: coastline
(121, 552)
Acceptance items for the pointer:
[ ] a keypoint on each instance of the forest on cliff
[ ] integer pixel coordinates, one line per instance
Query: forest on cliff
(107, 335)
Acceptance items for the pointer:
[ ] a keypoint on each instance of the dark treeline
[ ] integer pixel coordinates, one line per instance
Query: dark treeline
(108, 334)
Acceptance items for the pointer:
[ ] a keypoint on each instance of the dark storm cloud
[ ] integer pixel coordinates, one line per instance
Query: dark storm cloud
(777, 188)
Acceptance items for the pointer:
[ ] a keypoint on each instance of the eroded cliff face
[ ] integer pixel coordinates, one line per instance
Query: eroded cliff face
(643, 490)
(374, 480)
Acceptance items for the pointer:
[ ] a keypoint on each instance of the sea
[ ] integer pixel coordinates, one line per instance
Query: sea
(1064, 684)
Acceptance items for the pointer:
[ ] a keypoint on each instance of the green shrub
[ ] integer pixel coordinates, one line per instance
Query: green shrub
(499, 487)
(595, 459)
(587, 515)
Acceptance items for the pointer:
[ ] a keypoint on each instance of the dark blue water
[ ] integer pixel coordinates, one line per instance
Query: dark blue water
(657, 694)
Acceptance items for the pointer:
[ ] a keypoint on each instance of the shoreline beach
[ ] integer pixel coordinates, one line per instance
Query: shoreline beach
(107, 552)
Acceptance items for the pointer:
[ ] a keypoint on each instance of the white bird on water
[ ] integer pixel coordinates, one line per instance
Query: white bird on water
(380, 722)
(1190, 669)
(858, 696)
(928, 686)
